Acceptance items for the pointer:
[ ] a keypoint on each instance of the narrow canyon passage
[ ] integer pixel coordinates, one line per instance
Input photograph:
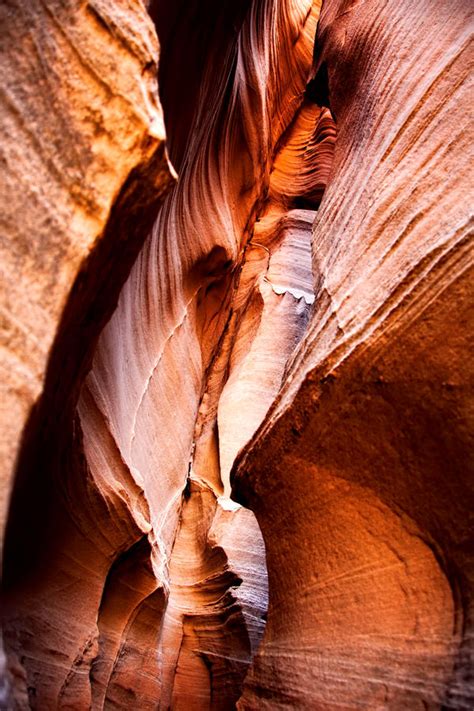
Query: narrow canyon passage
(246, 483)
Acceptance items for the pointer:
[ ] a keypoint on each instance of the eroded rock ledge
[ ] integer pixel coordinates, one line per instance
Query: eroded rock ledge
(299, 294)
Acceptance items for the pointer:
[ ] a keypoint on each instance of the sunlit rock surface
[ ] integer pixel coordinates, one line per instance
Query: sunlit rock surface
(83, 174)
(361, 476)
(277, 313)
(74, 130)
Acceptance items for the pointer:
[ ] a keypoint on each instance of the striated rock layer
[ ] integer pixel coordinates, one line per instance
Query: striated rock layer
(142, 552)
(300, 295)
(361, 476)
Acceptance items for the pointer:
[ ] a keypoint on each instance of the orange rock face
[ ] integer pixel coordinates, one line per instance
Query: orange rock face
(246, 481)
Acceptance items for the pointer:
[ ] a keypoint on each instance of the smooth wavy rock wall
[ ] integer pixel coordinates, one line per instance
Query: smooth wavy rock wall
(361, 476)
(246, 482)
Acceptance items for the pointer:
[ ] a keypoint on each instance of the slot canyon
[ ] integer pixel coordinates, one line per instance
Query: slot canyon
(237, 355)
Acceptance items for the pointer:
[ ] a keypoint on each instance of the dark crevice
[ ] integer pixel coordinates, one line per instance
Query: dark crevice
(317, 90)
(48, 433)
(129, 588)
(193, 34)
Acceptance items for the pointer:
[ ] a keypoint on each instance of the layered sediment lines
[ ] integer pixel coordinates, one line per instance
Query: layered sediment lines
(166, 568)
(199, 307)
(286, 323)
(361, 475)
(84, 172)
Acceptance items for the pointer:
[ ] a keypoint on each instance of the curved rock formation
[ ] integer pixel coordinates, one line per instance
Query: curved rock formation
(78, 137)
(290, 297)
(361, 476)
(84, 173)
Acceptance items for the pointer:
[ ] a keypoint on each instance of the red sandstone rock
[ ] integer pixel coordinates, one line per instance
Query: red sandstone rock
(74, 131)
(361, 475)
(292, 298)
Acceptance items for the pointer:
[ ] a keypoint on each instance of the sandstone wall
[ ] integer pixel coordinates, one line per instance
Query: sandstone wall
(280, 313)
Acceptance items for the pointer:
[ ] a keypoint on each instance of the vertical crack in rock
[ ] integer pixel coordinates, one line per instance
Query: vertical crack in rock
(205, 645)
(181, 330)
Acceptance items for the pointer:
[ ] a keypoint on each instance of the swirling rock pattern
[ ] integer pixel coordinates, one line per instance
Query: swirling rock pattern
(292, 299)
(361, 475)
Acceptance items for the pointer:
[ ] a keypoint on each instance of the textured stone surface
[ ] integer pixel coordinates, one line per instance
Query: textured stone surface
(361, 476)
(198, 297)
(74, 128)
(82, 130)
(301, 296)
(133, 522)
